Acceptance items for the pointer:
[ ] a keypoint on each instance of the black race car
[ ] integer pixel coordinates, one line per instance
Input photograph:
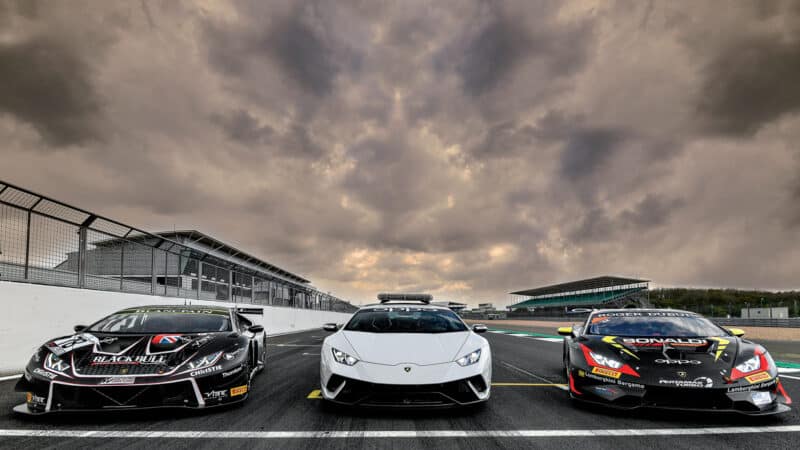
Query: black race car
(632, 358)
(147, 357)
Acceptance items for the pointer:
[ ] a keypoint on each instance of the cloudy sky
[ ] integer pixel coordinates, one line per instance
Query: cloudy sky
(463, 148)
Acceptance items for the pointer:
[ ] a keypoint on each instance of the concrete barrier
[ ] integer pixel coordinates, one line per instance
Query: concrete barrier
(33, 313)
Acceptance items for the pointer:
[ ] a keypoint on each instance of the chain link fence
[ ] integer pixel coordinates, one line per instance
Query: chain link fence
(45, 241)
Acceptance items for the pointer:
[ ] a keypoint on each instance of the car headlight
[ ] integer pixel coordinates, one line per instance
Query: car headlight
(55, 364)
(469, 359)
(750, 365)
(343, 358)
(605, 360)
(231, 355)
(205, 361)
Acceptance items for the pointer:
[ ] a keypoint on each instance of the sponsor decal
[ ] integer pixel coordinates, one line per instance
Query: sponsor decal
(658, 342)
(34, 399)
(646, 314)
(606, 372)
(104, 360)
(701, 382)
(622, 383)
(175, 311)
(118, 380)
(165, 339)
(407, 369)
(679, 362)
(206, 371)
(581, 373)
(44, 373)
(215, 395)
(765, 385)
(755, 378)
(231, 372)
(240, 390)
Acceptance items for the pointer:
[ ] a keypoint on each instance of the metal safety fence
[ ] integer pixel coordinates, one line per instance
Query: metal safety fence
(46, 241)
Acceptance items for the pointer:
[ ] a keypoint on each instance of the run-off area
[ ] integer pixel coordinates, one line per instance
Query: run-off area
(529, 408)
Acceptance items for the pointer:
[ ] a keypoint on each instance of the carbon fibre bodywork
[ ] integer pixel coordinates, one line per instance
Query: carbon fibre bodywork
(699, 373)
(91, 371)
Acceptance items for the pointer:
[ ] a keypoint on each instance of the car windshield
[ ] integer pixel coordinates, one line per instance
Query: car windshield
(653, 324)
(174, 321)
(405, 320)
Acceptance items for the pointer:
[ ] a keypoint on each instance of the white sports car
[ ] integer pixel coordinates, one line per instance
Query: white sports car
(405, 352)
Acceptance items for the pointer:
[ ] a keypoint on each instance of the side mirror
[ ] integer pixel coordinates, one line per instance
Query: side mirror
(565, 331)
(738, 332)
(331, 327)
(256, 329)
(79, 328)
(480, 328)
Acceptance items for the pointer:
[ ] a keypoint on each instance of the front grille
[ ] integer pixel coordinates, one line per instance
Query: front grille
(84, 363)
(686, 398)
(372, 394)
(99, 397)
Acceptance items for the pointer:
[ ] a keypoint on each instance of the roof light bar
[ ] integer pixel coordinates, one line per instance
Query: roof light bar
(394, 297)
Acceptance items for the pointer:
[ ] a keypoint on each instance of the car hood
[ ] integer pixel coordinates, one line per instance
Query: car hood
(656, 359)
(93, 354)
(406, 348)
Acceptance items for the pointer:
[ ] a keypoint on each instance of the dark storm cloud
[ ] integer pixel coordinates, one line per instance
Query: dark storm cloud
(751, 83)
(241, 126)
(491, 55)
(507, 38)
(47, 84)
(468, 148)
(652, 211)
(305, 56)
(302, 55)
(587, 150)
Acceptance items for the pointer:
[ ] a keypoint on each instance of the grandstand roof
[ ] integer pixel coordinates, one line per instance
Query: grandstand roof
(204, 243)
(581, 285)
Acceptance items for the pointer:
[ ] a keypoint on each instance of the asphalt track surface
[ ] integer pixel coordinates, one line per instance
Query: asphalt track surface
(529, 410)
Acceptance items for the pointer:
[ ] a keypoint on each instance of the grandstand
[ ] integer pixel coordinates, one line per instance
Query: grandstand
(598, 292)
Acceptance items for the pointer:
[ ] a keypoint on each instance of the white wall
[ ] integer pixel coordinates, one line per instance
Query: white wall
(32, 314)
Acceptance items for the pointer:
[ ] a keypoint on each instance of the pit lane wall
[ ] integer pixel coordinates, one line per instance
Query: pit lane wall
(33, 313)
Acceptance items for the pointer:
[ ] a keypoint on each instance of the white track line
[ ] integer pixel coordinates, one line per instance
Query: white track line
(789, 377)
(10, 377)
(623, 432)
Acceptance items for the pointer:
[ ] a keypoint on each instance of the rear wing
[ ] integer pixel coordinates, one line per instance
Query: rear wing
(405, 298)
(253, 311)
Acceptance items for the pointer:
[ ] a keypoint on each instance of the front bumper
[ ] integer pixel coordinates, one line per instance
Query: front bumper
(406, 385)
(43, 396)
(622, 394)
(351, 392)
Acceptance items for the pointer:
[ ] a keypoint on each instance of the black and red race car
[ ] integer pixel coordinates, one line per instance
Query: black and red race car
(147, 357)
(632, 358)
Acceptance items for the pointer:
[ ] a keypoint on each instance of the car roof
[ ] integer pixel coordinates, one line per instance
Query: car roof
(418, 305)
